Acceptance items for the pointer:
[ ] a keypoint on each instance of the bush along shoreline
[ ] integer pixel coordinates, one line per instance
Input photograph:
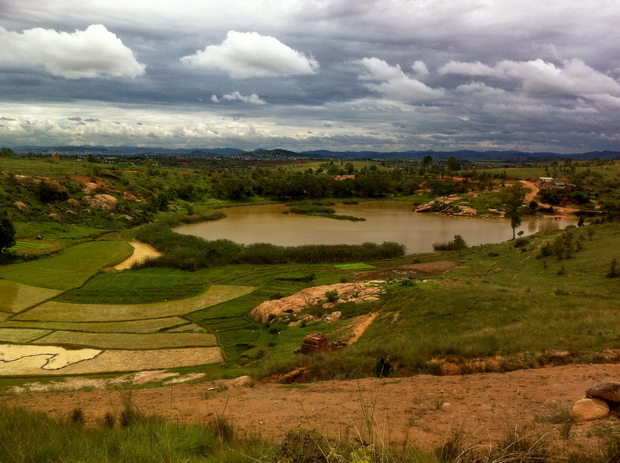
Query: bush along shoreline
(187, 252)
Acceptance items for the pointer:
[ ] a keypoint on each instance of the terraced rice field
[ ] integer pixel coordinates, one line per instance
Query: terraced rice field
(67, 312)
(129, 340)
(42, 333)
(71, 269)
(17, 296)
(137, 326)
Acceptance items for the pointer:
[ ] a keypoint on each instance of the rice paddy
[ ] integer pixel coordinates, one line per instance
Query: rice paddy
(17, 297)
(71, 269)
(155, 325)
(128, 340)
(54, 311)
(62, 315)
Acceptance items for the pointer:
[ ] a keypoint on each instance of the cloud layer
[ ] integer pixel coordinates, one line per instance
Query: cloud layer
(382, 75)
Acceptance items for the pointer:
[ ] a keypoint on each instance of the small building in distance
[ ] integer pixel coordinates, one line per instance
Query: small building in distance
(550, 183)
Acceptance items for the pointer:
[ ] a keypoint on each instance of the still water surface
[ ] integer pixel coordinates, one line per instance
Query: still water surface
(385, 221)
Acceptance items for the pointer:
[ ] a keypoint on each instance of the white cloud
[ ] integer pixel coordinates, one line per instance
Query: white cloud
(248, 54)
(94, 52)
(236, 96)
(419, 67)
(575, 77)
(479, 88)
(538, 77)
(394, 83)
(467, 69)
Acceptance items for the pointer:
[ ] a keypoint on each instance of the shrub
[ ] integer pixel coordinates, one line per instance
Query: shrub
(455, 245)
(331, 296)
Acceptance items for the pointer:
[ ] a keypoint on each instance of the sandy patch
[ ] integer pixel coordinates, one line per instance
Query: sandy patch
(360, 324)
(141, 252)
(52, 360)
(80, 383)
(15, 359)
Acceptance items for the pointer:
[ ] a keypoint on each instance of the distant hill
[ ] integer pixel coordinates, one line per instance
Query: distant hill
(279, 153)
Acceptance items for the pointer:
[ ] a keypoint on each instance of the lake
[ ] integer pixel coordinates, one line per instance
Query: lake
(385, 221)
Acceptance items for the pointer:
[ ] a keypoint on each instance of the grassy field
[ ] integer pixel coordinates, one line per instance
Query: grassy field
(136, 287)
(71, 269)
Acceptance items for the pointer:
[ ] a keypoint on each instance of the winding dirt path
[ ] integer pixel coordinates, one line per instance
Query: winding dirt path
(141, 252)
(531, 186)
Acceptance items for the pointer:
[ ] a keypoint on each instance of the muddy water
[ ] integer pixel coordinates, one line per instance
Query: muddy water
(385, 221)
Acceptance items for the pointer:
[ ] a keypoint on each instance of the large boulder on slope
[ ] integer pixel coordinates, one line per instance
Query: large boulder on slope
(103, 202)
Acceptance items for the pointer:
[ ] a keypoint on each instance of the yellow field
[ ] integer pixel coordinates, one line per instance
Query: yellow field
(67, 312)
(138, 326)
(17, 296)
(129, 341)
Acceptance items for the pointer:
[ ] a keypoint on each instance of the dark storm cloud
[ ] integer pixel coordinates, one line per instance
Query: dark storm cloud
(335, 74)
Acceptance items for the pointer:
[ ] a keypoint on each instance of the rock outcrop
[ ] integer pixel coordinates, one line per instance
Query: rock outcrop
(345, 292)
(607, 390)
(92, 187)
(589, 409)
(73, 204)
(103, 202)
(21, 207)
(600, 398)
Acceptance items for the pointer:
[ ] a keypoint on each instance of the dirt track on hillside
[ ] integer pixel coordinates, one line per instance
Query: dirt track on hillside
(422, 410)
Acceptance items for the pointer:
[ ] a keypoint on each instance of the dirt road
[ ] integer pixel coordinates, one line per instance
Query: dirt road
(422, 410)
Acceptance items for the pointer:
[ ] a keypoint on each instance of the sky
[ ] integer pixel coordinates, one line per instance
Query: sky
(341, 75)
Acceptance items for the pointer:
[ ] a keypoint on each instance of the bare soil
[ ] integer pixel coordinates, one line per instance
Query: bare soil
(141, 251)
(421, 410)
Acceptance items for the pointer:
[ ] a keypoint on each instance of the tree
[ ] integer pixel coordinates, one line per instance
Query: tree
(6, 153)
(453, 164)
(512, 199)
(7, 232)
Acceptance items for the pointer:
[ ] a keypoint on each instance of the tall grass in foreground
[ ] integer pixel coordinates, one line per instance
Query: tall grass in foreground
(33, 437)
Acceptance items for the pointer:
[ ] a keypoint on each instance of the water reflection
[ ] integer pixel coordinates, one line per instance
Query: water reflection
(385, 221)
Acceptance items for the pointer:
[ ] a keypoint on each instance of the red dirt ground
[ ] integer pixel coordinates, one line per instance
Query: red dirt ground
(420, 410)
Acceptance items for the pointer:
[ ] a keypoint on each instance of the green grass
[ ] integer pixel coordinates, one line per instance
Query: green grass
(133, 287)
(29, 245)
(68, 312)
(355, 266)
(71, 268)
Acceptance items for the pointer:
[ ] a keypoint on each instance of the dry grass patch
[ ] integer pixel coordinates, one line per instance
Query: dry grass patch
(21, 335)
(137, 360)
(63, 311)
(32, 360)
(130, 341)
(17, 296)
(138, 326)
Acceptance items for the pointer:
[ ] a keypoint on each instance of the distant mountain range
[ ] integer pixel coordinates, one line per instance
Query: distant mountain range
(287, 154)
